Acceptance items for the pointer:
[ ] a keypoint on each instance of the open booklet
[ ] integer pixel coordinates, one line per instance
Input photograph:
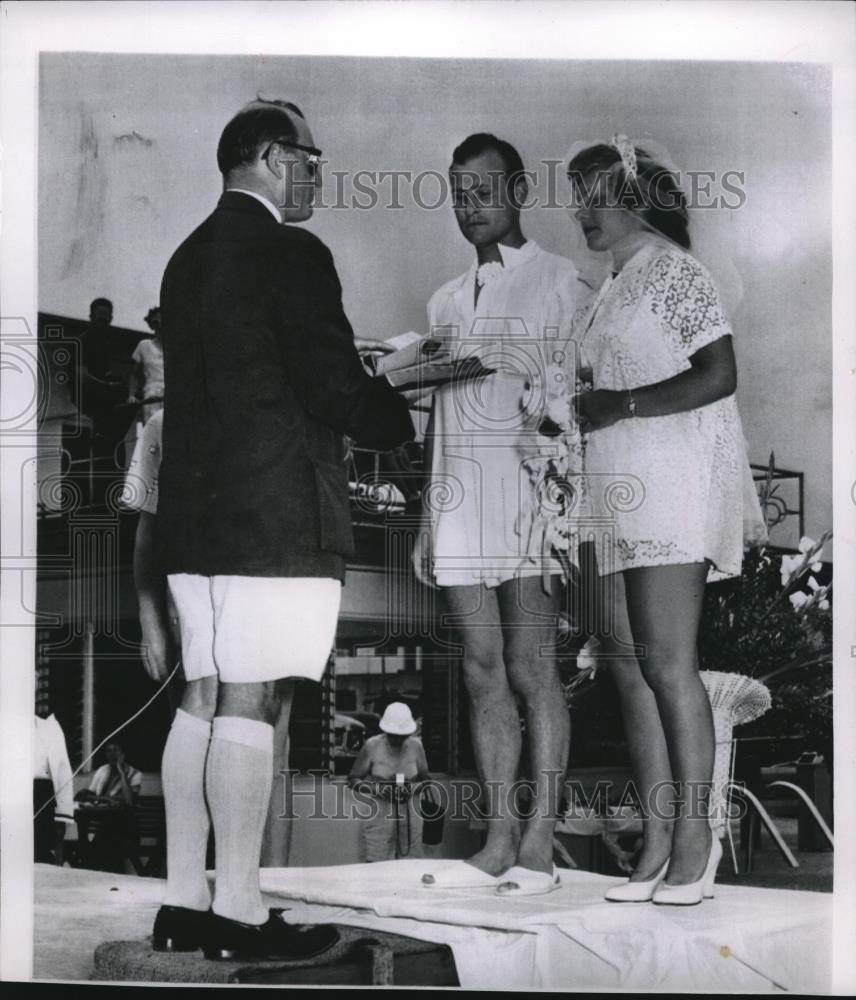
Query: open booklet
(418, 362)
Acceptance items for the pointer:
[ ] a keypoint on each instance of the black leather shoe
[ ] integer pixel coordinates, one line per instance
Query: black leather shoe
(275, 939)
(179, 929)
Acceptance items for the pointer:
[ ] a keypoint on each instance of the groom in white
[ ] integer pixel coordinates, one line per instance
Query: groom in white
(499, 587)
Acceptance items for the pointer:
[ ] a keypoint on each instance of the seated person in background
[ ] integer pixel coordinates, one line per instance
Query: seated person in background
(147, 376)
(111, 796)
(116, 780)
(389, 768)
(53, 802)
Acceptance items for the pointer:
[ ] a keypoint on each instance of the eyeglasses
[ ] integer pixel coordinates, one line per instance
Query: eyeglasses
(313, 155)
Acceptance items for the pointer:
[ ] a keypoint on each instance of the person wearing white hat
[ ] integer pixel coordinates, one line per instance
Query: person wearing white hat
(388, 770)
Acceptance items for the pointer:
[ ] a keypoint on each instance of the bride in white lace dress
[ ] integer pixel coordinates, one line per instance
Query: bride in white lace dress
(667, 480)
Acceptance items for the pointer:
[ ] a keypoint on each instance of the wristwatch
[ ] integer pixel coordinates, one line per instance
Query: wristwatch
(631, 404)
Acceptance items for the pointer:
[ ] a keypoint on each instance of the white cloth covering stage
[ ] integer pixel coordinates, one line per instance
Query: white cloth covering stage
(570, 939)
(744, 940)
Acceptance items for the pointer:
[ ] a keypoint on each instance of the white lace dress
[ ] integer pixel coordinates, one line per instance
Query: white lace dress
(671, 489)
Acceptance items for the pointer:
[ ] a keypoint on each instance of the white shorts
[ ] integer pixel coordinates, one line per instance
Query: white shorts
(252, 629)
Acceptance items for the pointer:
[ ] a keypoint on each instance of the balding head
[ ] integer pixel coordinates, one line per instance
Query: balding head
(253, 129)
(268, 148)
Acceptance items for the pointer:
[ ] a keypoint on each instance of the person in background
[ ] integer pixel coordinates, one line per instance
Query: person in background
(389, 768)
(147, 375)
(111, 796)
(101, 390)
(160, 641)
(53, 794)
(97, 355)
(116, 780)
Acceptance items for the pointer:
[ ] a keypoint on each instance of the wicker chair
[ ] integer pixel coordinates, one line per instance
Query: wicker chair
(734, 699)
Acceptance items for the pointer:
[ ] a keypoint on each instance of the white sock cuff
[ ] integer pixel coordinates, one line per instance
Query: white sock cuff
(248, 732)
(191, 724)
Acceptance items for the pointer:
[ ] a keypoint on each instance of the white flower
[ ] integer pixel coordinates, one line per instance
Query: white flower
(813, 585)
(806, 544)
(799, 599)
(789, 566)
(486, 273)
(558, 410)
(823, 605)
(587, 656)
(816, 567)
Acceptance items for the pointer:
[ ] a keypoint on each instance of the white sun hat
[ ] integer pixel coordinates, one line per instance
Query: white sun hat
(398, 720)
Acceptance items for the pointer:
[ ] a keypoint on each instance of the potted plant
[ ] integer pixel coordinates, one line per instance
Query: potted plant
(765, 642)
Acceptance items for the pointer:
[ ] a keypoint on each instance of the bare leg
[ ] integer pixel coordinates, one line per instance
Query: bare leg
(664, 605)
(643, 730)
(199, 698)
(259, 702)
(529, 625)
(494, 718)
(278, 829)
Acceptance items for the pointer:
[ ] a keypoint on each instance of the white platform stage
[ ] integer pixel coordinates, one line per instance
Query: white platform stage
(745, 940)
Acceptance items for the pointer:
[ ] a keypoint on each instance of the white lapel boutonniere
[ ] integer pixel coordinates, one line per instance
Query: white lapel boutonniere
(486, 273)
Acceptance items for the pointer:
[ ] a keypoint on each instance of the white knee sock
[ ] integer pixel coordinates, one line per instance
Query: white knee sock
(187, 821)
(238, 780)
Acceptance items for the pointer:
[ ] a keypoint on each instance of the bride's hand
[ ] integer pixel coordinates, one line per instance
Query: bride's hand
(598, 409)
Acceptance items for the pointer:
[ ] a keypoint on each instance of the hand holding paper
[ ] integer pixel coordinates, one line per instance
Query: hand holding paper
(423, 362)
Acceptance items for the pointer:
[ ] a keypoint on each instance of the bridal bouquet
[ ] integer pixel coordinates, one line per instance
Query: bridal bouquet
(552, 456)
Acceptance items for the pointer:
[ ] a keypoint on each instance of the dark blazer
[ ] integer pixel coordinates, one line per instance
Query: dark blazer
(262, 381)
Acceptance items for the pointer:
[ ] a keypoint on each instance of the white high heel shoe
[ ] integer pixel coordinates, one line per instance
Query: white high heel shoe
(636, 892)
(693, 892)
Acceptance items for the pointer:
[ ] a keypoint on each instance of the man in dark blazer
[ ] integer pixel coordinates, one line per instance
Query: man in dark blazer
(262, 380)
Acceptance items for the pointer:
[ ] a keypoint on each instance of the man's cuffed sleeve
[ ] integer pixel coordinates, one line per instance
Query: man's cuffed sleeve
(61, 774)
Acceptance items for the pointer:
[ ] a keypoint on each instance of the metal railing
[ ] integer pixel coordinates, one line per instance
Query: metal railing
(776, 488)
(384, 482)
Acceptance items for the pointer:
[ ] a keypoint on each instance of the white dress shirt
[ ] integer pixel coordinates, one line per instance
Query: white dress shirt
(483, 533)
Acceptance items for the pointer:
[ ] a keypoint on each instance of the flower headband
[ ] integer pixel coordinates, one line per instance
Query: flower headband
(624, 148)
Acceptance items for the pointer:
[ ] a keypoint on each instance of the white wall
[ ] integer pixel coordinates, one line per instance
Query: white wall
(127, 169)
